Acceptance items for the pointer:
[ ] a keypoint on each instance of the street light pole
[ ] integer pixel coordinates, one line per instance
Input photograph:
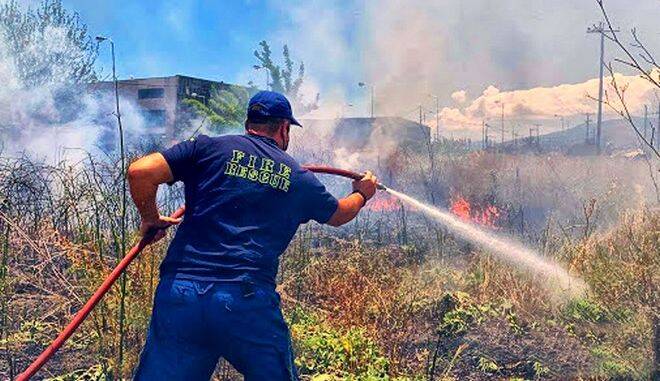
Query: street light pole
(122, 153)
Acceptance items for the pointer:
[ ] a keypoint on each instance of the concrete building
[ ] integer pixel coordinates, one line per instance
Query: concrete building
(160, 99)
(160, 102)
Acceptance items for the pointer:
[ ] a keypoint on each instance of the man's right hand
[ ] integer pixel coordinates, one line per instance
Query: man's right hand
(157, 228)
(366, 186)
(350, 206)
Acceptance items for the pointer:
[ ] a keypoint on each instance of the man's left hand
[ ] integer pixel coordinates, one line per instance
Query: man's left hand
(156, 229)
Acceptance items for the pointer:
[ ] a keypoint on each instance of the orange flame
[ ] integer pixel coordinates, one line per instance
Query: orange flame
(383, 202)
(486, 216)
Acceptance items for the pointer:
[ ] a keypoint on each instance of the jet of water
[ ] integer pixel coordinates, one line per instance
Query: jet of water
(504, 248)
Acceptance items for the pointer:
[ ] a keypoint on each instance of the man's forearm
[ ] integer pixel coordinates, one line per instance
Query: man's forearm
(347, 209)
(143, 192)
(144, 176)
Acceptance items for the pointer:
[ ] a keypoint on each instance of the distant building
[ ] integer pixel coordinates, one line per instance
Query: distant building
(160, 99)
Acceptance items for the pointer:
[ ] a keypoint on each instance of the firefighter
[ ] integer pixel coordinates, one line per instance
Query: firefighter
(245, 198)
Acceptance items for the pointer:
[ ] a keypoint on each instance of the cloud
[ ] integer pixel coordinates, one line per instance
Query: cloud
(459, 96)
(549, 103)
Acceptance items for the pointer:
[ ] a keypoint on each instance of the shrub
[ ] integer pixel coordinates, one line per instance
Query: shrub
(323, 349)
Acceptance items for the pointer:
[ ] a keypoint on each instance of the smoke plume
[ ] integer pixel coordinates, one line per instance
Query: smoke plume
(457, 50)
(56, 119)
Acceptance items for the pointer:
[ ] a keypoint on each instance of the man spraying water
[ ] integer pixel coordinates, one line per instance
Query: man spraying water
(245, 198)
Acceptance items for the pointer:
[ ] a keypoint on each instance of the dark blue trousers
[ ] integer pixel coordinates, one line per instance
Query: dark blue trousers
(193, 324)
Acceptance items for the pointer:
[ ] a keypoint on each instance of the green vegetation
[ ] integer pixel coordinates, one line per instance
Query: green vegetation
(346, 353)
(282, 78)
(225, 110)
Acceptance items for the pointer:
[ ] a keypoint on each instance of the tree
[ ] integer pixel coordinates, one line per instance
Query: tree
(47, 45)
(225, 110)
(637, 57)
(282, 78)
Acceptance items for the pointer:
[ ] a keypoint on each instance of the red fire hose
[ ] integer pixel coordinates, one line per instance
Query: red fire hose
(114, 275)
(339, 172)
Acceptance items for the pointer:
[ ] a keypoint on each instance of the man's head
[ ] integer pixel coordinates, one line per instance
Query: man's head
(269, 114)
(276, 128)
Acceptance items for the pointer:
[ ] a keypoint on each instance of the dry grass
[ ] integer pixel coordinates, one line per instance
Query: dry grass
(434, 306)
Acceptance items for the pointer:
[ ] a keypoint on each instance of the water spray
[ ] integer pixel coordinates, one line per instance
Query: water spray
(558, 278)
(505, 248)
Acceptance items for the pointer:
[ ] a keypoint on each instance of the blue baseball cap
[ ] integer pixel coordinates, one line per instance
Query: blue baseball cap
(270, 104)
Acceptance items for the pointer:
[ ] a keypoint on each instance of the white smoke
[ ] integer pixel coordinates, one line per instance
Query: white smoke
(56, 120)
(411, 49)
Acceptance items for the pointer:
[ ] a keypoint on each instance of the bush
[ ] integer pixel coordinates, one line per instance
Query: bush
(324, 350)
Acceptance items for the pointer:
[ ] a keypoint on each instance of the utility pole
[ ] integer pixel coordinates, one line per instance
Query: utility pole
(483, 134)
(502, 122)
(646, 121)
(657, 129)
(601, 30)
(538, 135)
(437, 116)
(486, 134)
(586, 138)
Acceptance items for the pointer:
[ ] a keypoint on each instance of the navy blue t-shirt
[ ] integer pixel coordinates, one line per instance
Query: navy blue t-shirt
(245, 199)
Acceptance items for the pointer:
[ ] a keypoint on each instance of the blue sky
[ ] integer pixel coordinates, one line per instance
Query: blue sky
(209, 39)
(407, 49)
